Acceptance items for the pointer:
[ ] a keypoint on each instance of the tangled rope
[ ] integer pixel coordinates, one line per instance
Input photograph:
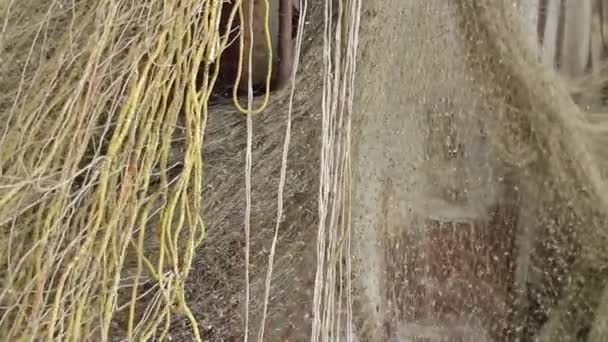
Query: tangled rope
(99, 221)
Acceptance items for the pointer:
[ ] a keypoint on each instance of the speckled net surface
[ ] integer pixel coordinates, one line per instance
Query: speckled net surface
(485, 211)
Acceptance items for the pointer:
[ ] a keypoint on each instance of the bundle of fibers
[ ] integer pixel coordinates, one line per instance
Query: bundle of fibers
(102, 96)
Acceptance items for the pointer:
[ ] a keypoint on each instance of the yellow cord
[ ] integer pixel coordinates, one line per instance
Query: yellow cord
(240, 65)
(74, 270)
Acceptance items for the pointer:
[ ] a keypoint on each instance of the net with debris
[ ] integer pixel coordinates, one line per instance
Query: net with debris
(386, 171)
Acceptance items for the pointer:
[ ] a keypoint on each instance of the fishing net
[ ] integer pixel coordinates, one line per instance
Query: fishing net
(415, 173)
(478, 205)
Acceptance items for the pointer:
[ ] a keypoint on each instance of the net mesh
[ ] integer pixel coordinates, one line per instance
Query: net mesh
(426, 173)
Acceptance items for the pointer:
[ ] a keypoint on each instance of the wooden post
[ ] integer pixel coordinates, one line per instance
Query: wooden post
(285, 44)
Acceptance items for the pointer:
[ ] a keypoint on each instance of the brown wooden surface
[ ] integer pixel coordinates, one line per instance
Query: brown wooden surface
(458, 277)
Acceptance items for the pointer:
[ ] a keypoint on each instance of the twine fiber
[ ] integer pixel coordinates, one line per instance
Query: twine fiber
(106, 133)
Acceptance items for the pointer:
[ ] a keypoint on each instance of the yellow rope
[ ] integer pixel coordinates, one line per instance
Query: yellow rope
(63, 270)
(68, 273)
(240, 64)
